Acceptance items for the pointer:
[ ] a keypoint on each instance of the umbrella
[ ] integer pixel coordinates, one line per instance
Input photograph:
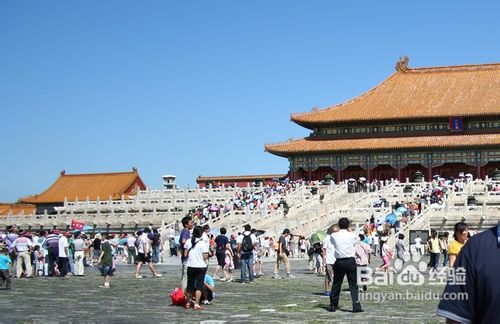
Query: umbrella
(214, 208)
(351, 179)
(469, 175)
(391, 218)
(318, 237)
(259, 233)
(362, 179)
(214, 231)
(402, 209)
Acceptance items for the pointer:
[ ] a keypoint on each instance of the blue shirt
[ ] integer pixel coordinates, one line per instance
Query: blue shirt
(480, 257)
(209, 280)
(4, 262)
(185, 236)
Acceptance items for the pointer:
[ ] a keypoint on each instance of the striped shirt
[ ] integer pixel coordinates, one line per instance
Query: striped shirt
(53, 241)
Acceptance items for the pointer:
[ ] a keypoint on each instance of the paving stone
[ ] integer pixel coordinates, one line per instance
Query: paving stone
(79, 299)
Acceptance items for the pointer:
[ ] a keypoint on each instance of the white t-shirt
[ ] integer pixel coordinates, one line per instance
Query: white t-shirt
(131, 242)
(204, 237)
(344, 242)
(239, 239)
(195, 256)
(143, 240)
(329, 249)
(418, 243)
(63, 243)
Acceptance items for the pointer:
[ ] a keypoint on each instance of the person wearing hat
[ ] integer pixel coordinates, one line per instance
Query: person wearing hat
(22, 245)
(52, 243)
(79, 248)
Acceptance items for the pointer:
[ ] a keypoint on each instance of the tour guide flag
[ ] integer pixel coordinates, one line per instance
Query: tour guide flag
(80, 226)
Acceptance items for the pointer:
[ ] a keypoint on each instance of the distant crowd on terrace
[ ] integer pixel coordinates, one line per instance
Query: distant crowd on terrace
(246, 200)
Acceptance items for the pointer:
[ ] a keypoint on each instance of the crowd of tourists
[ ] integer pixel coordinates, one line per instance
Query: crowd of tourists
(251, 199)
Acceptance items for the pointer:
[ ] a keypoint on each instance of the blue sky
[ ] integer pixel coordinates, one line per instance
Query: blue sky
(198, 87)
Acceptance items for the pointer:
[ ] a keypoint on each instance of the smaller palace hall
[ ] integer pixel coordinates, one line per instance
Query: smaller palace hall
(437, 120)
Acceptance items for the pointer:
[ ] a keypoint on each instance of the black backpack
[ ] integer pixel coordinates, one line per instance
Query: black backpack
(246, 244)
(137, 243)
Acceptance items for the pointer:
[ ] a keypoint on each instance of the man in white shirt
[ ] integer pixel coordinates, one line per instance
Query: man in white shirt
(329, 257)
(63, 260)
(345, 264)
(132, 251)
(144, 254)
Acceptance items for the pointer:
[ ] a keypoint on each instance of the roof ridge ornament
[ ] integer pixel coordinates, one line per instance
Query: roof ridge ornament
(402, 64)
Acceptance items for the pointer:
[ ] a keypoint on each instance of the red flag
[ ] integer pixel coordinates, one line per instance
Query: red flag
(77, 225)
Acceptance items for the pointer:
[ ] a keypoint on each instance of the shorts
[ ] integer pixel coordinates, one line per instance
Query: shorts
(329, 272)
(196, 278)
(221, 257)
(144, 258)
(107, 270)
(97, 254)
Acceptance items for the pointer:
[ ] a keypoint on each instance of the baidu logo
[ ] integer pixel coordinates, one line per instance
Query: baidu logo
(411, 275)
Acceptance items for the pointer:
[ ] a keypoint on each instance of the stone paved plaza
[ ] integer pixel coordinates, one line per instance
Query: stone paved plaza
(301, 299)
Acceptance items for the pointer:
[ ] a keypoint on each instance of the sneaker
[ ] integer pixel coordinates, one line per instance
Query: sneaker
(222, 279)
(327, 293)
(138, 277)
(276, 276)
(205, 302)
(158, 275)
(106, 285)
(260, 274)
(291, 276)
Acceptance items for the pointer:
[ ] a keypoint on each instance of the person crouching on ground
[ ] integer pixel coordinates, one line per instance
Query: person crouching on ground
(196, 251)
(208, 290)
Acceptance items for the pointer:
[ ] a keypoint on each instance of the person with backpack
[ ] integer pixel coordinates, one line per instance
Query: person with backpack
(246, 245)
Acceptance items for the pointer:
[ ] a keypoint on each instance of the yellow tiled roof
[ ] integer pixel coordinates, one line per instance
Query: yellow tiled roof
(241, 178)
(16, 209)
(102, 185)
(392, 144)
(468, 90)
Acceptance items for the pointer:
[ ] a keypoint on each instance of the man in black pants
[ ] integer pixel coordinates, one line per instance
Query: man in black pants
(344, 242)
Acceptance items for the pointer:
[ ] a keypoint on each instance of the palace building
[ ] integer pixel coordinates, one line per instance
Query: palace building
(94, 187)
(437, 120)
